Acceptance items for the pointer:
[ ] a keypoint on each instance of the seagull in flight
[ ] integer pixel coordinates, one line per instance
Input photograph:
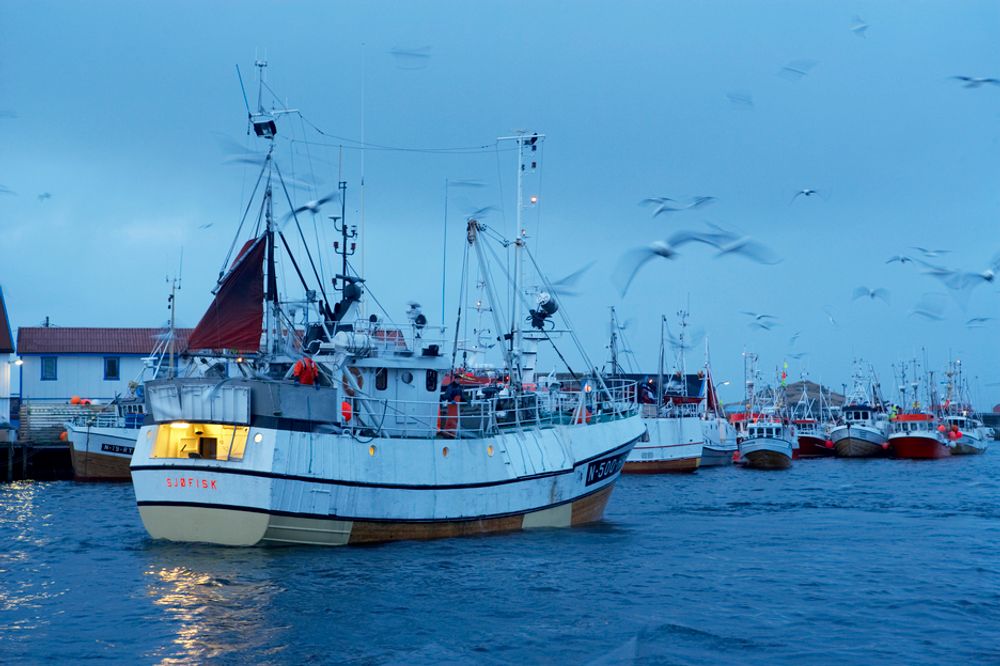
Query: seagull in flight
(806, 192)
(411, 58)
(44, 196)
(759, 316)
(858, 27)
(977, 81)
(829, 317)
(930, 306)
(872, 294)
(670, 205)
(634, 259)
(930, 253)
(978, 322)
(900, 258)
(206, 226)
(797, 69)
(6, 190)
(313, 206)
(565, 286)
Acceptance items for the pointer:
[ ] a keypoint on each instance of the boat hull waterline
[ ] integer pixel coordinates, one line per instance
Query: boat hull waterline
(501, 485)
(766, 453)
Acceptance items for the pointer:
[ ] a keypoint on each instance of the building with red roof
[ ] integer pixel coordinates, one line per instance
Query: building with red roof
(57, 363)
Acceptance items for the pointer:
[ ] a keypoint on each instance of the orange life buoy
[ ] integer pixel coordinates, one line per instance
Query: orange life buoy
(359, 381)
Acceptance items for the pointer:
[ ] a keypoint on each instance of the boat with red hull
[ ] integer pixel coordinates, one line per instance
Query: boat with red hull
(916, 437)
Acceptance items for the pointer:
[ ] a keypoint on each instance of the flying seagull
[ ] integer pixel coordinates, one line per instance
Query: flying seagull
(742, 100)
(44, 196)
(795, 336)
(978, 322)
(930, 253)
(411, 58)
(829, 317)
(930, 306)
(858, 27)
(977, 81)
(756, 316)
(206, 226)
(634, 259)
(564, 286)
(797, 69)
(751, 249)
(670, 205)
(6, 190)
(313, 206)
(900, 258)
(807, 192)
(878, 292)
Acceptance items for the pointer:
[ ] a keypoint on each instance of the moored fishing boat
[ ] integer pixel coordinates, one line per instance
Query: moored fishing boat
(864, 430)
(345, 435)
(768, 439)
(101, 443)
(967, 433)
(681, 413)
(811, 434)
(917, 436)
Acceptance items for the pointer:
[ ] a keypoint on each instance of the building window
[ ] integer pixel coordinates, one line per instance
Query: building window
(112, 367)
(49, 368)
(381, 379)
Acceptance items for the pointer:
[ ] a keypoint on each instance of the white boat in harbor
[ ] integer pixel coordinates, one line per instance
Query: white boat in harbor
(682, 416)
(355, 439)
(102, 439)
(966, 432)
(768, 440)
(864, 430)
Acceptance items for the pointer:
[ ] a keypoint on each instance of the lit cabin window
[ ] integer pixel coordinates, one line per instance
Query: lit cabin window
(431, 381)
(49, 368)
(381, 379)
(112, 368)
(199, 441)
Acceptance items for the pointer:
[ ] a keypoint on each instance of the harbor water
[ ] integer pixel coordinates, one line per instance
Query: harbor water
(832, 561)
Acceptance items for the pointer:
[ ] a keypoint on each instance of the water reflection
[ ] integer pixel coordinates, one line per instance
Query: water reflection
(219, 603)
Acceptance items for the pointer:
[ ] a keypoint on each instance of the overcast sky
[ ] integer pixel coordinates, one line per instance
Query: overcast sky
(115, 109)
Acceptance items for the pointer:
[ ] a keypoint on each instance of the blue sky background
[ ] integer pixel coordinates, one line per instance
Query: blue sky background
(117, 106)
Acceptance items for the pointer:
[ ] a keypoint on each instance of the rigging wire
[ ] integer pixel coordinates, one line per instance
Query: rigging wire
(243, 220)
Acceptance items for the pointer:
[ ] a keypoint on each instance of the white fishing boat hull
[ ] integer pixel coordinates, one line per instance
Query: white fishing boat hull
(673, 444)
(101, 453)
(859, 441)
(720, 446)
(766, 453)
(971, 443)
(335, 489)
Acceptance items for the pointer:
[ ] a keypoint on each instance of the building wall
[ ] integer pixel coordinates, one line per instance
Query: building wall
(76, 374)
(6, 362)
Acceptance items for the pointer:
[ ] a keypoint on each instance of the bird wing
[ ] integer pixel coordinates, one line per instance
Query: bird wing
(629, 265)
(563, 285)
(881, 292)
(752, 250)
(859, 292)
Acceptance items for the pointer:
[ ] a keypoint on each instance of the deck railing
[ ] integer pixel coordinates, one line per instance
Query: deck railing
(481, 416)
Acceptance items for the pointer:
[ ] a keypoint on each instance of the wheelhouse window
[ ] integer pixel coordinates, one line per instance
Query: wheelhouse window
(381, 379)
(49, 368)
(200, 441)
(112, 368)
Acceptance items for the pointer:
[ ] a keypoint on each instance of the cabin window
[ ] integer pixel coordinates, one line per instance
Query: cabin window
(200, 441)
(381, 379)
(431, 380)
(112, 368)
(49, 368)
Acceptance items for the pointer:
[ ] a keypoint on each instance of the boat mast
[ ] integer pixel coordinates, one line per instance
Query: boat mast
(175, 286)
(659, 374)
(517, 315)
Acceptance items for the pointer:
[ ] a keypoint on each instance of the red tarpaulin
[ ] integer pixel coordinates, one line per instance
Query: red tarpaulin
(235, 318)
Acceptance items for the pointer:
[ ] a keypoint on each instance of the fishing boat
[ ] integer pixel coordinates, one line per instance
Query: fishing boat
(681, 413)
(768, 442)
(968, 434)
(345, 436)
(102, 438)
(810, 431)
(863, 432)
(917, 436)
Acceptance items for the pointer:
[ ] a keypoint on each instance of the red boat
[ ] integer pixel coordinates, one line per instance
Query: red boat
(813, 443)
(917, 436)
